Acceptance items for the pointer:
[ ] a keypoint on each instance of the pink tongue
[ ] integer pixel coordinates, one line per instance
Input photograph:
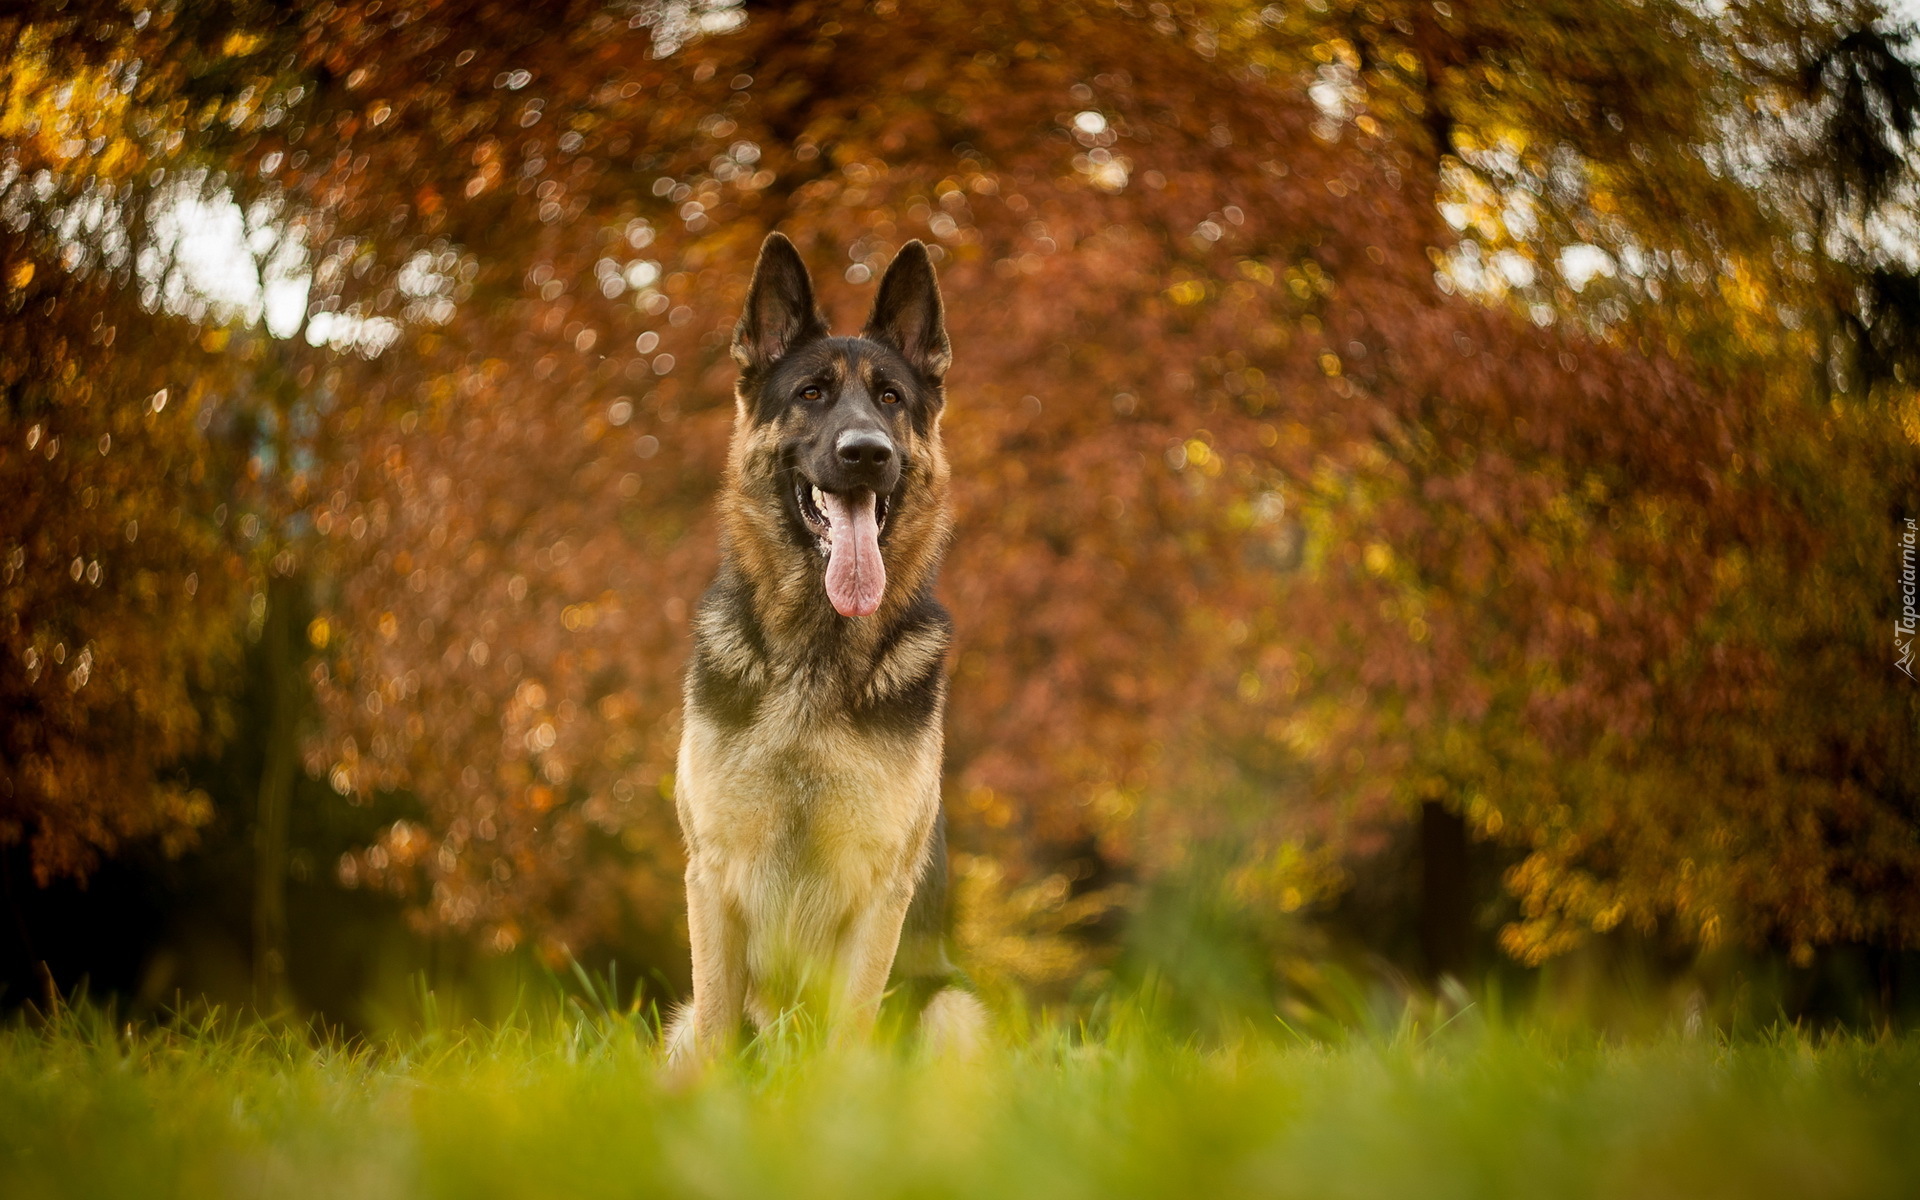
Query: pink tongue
(855, 575)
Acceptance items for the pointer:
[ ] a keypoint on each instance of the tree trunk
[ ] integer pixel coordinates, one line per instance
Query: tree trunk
(1446, 892)
(281, 658)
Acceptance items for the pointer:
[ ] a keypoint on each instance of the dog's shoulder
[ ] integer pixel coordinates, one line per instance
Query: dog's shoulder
(903, 691)
(729, 669)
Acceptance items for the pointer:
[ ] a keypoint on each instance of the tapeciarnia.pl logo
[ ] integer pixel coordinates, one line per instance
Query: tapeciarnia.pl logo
(1909, 619)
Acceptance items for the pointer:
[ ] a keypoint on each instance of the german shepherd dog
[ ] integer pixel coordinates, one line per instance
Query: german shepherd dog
(808, 784)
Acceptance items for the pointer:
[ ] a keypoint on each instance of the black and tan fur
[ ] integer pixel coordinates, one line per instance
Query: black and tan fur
(808, 784)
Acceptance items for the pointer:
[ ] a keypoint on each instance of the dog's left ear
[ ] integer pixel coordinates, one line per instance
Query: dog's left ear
(907, 314)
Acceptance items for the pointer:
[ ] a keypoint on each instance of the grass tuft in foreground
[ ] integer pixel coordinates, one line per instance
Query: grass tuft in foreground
(575, 1106)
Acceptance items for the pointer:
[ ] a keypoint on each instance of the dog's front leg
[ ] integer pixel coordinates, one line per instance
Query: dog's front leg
(866, 958)
(719, 966)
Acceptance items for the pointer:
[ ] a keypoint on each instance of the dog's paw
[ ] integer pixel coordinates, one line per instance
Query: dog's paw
(677, 1039)
(954, 1025)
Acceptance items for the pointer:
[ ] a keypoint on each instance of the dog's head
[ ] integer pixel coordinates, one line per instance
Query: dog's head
(836, 461)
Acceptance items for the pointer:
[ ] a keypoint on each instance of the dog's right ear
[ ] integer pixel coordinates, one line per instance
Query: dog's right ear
(780, 313)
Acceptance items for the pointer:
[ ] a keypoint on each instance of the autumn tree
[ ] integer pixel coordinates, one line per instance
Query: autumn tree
(1258, 523)
(124, 557)
(522, 535)
(1655, 667)
(1359, 411)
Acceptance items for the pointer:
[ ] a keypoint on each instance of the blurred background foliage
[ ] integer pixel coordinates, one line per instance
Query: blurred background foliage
(1431, 481)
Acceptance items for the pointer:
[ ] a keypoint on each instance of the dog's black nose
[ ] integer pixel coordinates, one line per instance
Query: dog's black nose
(866, 450)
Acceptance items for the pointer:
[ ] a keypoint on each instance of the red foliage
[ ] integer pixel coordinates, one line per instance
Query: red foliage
(1268, 530)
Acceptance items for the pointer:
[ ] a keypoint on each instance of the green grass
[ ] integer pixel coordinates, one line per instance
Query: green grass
(575, 1106)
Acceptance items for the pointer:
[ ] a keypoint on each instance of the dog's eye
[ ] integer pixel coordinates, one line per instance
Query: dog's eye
(889, 397)
(810, 392)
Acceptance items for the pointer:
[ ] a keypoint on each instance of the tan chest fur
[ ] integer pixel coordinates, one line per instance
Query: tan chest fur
(800, 821)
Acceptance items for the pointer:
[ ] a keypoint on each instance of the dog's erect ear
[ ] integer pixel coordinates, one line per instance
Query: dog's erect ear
(907, 313)
(780, 313)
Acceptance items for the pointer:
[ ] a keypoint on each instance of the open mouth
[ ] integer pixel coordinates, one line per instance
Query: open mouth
(846, 527)
(813, 503)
